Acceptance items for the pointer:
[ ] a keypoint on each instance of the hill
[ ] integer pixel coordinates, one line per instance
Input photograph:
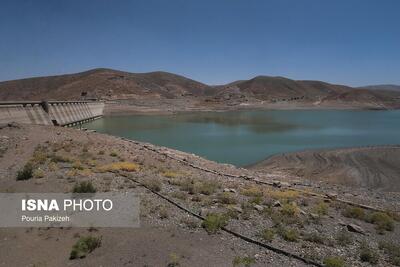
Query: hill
(369, 167)
(389, 87)
(102, 83)
(170, 91)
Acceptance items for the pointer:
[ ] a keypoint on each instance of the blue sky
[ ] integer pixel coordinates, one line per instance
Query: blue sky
(354, 42)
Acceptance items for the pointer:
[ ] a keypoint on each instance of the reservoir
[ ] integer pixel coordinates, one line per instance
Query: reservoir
(246, 137)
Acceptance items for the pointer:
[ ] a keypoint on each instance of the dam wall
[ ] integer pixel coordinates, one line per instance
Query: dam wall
(59, 113)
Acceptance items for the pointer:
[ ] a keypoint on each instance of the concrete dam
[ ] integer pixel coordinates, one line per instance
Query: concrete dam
(58, 113)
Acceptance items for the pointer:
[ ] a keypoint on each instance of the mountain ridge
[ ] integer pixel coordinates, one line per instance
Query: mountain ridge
(109, 84)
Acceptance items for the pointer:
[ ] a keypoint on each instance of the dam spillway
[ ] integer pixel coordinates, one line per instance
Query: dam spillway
(59, 113)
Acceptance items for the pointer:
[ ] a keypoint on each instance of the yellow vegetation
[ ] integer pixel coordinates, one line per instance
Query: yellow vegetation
(119, 166)
(171, 174)
(285, 195)
(253, 191)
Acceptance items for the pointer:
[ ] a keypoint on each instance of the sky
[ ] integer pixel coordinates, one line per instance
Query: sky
(353, 42)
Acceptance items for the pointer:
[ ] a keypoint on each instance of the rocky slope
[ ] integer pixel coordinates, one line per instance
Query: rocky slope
(313, 222)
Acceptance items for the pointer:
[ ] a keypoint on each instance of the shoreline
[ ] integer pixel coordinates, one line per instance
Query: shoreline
(112, 109)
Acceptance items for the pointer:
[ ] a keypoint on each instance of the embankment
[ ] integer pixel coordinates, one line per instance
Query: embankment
(369, 167)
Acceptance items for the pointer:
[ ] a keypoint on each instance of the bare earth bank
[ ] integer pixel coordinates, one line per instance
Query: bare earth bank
(376, 168)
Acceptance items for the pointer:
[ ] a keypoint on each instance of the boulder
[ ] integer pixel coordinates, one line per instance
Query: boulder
(259, 207)
(277, 204)
(355, 228)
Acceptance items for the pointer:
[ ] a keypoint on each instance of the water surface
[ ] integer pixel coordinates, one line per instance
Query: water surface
(245, 137)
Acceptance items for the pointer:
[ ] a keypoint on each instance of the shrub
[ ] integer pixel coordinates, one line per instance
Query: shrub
(173, 260)
(290, 209)
(243, 261)
(119, 166)
(38, 173)
(153, 184)
(84, 246)
(101, 152)
(392, 250)
(58, 158)
(208, 187)
(190, 222)
(163, 213)
(84, 187)
(315, 238)
(113, 154)
(354, 212)
(290, 235)
(213, 222)
(170, 174)
(285, 195)
(343, 238)
(77, 165)
(252, 192)
(189, 186)
(367, 254)
(179, 195)
(268, 234)
(26, 173)
(39, 155)
(321, 208)
(382, 221)
(226, 198)
(334, 262)
(256, 200)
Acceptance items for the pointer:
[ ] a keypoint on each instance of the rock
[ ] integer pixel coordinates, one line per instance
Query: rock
(314, 216)
(277, 204)
(203, 212)
(276, 183)
(238, 209)
(355, 228)
(279, 184)
(285, 184)
(230, 190)
(259, 207)
(331, 195)
(302, 212)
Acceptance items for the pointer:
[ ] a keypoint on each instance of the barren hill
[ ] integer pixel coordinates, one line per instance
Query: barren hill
(101, 83)
(376, 168)
(150, 88)
(388, 87)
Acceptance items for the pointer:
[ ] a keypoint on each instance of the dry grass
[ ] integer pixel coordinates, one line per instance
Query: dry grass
(284, 195)
(153, 184)
(290, 209)
(253, 191)
(171, 174)
(119, 166)
(38, 173)
(321, 208)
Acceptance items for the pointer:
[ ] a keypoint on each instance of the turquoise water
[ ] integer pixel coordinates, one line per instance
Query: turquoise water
(245, 137)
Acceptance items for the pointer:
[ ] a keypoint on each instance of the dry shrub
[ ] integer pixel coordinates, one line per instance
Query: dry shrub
(119, 166)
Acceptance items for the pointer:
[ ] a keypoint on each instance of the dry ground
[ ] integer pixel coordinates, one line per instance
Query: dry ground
(278, 215)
